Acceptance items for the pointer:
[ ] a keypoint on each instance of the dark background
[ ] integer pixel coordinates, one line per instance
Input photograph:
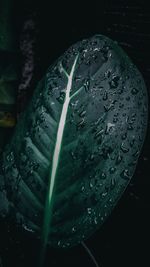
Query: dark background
(124, 239)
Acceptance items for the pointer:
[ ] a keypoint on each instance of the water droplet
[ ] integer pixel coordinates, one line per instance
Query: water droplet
(121, 105)
(108, 107)
(73, 155)
(115, 119)
(59, 243)
(105, 96)
(81, 123)
(133, 163)
(109, 126)
(10, 156)
(82, 113)
(95, 220)
(120, 91)
(125, 174)
(134, 91)
(145, 107)
(124, 136)
(82, 189)
(73, 229)
(132, 142)
(74, 104)
(104, 194)
(61, 97)
(113, 183)
(132, 119)
(89, 210)
(112, 170)
(103, 175)
(136, 154)
(91, 184)
(110, 200)
(27, 228)
(128, 98)
(119, 159)
(113, 157)
(130, 127)
(114, 82)
(124, 148)
(98, 133)
(87, 85)
(91, 158)
(106, 151)
(78, 78)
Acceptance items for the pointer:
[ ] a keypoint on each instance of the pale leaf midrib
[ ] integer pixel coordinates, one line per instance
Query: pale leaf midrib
(56, 154)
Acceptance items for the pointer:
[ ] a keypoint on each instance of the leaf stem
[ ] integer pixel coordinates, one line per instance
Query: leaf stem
(90, 254)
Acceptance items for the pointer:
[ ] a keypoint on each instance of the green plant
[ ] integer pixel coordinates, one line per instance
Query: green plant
(77, 144)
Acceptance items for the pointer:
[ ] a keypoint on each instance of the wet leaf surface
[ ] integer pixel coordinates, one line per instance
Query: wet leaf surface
(102, 137)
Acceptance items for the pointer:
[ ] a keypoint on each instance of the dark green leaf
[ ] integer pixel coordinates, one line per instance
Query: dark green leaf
(76, 147)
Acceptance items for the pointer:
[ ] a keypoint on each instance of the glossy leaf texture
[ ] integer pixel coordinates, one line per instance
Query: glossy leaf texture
(77, 144)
